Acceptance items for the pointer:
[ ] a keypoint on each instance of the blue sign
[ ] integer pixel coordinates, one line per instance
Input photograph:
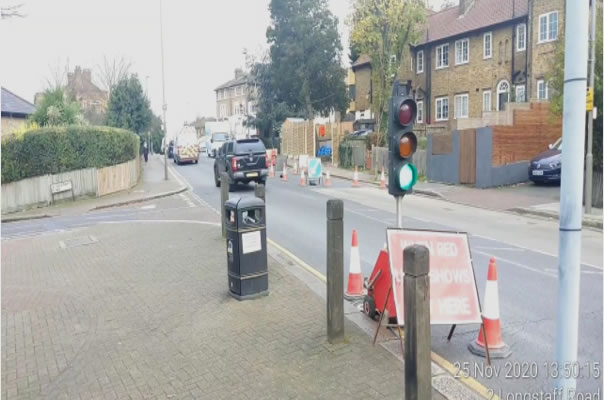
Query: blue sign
(315, 171)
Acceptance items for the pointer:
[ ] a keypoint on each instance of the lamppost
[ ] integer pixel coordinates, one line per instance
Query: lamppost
(163, 87)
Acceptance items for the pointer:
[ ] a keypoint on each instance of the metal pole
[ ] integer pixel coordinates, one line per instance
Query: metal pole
(163, 88)
(224, 196)
(335, 271)
(589, 158)
(416, 283)
(399, 211)
(573, 138)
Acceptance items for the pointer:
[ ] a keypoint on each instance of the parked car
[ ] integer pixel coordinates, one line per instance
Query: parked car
(547, 166)
(214, 142)
(186, 148)
(243, 160)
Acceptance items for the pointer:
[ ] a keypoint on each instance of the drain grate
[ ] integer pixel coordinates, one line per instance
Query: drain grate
(78, 241)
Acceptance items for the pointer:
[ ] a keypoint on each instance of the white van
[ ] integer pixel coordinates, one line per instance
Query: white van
(186, 148)
(214, 142)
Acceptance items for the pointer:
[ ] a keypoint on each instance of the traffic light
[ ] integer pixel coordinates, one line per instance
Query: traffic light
(402, 142)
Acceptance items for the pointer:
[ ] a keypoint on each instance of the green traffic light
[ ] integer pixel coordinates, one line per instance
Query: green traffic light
(407, 176)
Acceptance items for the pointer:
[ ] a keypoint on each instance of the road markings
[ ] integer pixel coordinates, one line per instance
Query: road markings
(539, 271)
(148, 207)
(498, 248)
(187, 200)
(439, 360)
(534, 250)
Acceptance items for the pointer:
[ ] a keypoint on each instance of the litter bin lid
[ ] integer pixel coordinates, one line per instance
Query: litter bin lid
(232, 203)
(250, 202)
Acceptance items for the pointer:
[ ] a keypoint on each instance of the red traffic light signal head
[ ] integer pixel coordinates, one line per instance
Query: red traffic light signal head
(407, 110)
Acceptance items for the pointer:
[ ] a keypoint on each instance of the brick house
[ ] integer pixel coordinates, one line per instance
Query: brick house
(479, 56)
(80, 87)
(359, 87)
(232, 97)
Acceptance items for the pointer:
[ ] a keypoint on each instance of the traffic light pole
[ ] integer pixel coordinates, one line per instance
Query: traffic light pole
(573, 138)
(399, 211)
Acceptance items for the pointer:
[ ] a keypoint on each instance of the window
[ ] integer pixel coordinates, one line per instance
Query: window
(442, 108)
(420, 112)
(521, 37)
(461, 105)
(462, 51)
(548, 27)
(223, 110)
(487, 45)
(420, 62)
(442, 56)
(486, 100)
(520, 94)
(542, 90)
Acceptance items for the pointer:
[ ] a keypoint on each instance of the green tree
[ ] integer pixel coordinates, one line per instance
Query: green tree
(128, 107)
(556, 86)
(270, 111)
(305, 57)
(383, 29)
(157, 133)
(55, 108)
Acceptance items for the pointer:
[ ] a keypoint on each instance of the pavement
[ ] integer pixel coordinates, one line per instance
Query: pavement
(525, 198)
(139, 308)
(525, 249)
(152, 185)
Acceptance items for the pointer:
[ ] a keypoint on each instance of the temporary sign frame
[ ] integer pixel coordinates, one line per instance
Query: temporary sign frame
(396, 275)
(312, 176)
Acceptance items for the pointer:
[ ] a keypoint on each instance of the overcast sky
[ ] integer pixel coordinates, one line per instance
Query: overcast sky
(203, 44)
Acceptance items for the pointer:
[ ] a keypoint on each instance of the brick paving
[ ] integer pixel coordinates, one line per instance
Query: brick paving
(143, 312)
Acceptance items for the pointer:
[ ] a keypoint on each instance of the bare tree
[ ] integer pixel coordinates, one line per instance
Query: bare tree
(58, 74)
(110, 72)
(12, 10)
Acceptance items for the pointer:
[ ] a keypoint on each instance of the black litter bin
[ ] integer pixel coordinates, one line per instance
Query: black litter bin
(246, 247)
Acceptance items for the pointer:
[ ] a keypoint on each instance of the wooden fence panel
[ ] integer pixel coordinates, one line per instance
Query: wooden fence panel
(442, 144)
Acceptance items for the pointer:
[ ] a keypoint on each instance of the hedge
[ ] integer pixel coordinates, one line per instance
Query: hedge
(53, 150)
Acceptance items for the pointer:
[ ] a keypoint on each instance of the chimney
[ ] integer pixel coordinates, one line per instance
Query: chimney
(464, 6)
(238, 73)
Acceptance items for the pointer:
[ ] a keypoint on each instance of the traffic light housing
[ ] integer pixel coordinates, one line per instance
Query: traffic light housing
(402, 142)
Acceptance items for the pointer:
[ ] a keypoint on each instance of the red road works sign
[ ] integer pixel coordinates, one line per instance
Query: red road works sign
(453, 292)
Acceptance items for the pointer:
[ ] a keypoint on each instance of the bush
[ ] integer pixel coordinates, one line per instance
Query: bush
(60, 149)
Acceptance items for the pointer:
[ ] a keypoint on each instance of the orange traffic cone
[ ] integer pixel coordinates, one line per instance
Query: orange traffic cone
(355, 276)
(271, 171)
(383, 179)
(284, 173)
(490, 320)
(302, 178)
(327, 181)
(296, 168)
(355, 178)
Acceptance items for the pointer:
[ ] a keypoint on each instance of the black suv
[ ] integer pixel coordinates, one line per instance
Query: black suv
(243, 160)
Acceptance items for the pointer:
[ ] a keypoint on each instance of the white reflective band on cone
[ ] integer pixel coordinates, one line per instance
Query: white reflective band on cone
(491, 301)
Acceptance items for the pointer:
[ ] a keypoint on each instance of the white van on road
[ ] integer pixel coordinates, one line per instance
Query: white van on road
(214, 142)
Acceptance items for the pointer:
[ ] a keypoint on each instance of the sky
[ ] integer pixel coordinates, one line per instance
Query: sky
(204, 41)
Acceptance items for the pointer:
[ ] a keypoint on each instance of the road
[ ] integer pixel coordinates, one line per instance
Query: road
(525, 248)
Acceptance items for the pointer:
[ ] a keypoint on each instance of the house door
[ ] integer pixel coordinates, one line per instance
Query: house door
(503, 94)
(467, 156)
